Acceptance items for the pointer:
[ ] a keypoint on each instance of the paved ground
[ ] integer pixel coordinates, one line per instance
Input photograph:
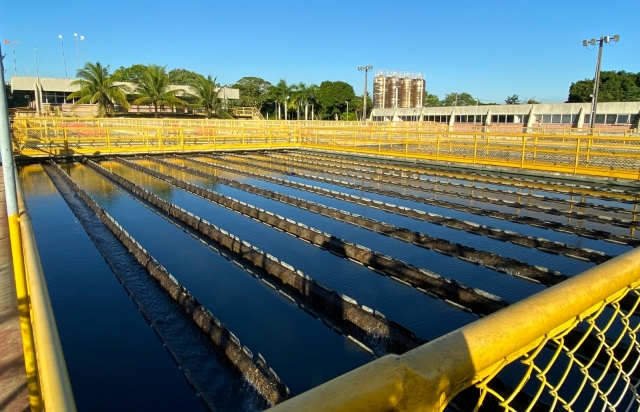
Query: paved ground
(14, 395)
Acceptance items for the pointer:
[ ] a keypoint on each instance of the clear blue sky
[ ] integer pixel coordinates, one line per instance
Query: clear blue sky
(491, 49)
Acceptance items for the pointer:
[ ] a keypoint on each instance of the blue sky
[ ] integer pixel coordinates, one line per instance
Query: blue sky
(489, 49)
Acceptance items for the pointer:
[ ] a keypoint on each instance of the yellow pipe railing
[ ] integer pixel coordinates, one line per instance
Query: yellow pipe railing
(578, 153)
(54, 383)
(429, 377)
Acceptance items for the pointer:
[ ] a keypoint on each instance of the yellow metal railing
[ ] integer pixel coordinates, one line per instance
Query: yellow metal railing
(54, 388)
(573, 346)
(577, 153)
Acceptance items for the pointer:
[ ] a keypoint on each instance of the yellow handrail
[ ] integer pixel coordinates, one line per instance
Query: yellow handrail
(429, 377)
(55, 386)
(578, 153)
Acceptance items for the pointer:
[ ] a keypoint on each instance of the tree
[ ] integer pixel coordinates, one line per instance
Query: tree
(431, 100)
(615, 86)
(281, 93)
(153, 89)
(302, 95)
(128, 74)
(458, 99)
(253, 91)
(206, 94)
(532, 100)
(184, 77)
(513, 99)
(332, 97)
(97, 87)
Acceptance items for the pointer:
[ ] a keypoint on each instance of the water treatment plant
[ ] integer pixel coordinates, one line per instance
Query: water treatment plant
(246, 265)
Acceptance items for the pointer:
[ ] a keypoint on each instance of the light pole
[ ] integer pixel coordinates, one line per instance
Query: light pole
(364, 96)
(35, 52)
(13, 48)
(596, 80)
(64, 59)
(84, 47)
(347, 102)
(77, 50)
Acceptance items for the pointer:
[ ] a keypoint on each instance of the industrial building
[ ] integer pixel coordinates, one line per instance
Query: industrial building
(50, 95)
(393, 89)
(619, 115)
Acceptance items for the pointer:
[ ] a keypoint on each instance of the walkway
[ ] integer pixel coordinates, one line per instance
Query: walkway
(14, 395)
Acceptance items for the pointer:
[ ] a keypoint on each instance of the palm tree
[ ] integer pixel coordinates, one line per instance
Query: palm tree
(206, 94)
(282, 92)
(303, 95)
(97, 87)
(153, 89)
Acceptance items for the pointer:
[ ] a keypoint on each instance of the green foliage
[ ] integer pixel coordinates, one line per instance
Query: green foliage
(532, 100)
(513, 99)
(431, 100)
(153, 89)
(206, 94)
(128, 74)
(184, 77)
(615, 86)
(458, 99)
(332, 97)
(97, 87)
(253, 91)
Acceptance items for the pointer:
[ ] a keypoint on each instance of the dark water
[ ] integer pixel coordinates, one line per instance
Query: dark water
(116, 361)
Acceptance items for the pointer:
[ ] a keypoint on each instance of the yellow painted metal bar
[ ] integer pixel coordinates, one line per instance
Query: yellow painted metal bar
(429, 377)
(614, 155)
(24, 312)
(55, 386)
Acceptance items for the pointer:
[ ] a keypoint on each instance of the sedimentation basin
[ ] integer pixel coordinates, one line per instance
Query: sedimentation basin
(285, 269)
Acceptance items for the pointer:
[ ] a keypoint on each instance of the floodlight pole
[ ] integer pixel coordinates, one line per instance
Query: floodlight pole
(364, 96)
(596, 80)
(64, 59)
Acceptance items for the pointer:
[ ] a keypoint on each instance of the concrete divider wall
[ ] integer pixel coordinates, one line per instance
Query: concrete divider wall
(492, 260)
(499, 201)
(256, 372)
(560, 187)
(517, 238)
(339, 312)
(476, 300)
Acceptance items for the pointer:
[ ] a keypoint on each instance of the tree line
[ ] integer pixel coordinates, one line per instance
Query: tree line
(151, 87)
(283, 100)
(615, 86)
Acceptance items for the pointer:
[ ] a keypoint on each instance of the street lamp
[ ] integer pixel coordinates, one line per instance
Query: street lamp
(77, 50)
(13, 48)
(64, 59)
(364, 96)
(596, 80)
(347, 102)
(84, 47)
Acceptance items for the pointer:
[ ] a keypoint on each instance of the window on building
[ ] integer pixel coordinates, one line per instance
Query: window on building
(623, 119)
(566, 119)
(546, 118)
(556, 118)
(587, 119)
(611, 118)
(600, 118)
(509, 118)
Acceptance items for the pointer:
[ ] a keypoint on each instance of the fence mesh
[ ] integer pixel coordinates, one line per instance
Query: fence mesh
(590, 364)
